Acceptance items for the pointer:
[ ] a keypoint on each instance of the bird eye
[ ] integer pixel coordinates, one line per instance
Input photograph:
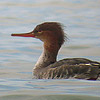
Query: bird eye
(40, 32)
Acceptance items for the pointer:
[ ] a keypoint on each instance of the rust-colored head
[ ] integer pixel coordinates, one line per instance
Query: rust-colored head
(47, 32)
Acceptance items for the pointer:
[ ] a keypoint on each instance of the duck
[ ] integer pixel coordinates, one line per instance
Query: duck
(47, 67)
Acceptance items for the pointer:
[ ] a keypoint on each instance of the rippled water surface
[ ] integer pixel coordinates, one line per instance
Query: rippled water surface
(81, 19)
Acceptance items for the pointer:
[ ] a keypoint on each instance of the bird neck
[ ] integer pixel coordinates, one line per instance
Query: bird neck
(48, 55)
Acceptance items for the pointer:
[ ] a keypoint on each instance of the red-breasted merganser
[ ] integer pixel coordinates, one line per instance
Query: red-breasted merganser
(53, 36)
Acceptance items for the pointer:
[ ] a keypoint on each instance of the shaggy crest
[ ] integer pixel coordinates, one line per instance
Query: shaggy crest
(56, 29)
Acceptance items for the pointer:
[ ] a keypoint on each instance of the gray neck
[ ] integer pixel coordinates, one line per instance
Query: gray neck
(46, 59)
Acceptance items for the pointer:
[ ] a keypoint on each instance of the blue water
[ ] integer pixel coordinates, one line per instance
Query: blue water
(81, 19)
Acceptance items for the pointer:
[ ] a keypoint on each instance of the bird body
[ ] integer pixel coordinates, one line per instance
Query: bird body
(79, 68)
(53, 36)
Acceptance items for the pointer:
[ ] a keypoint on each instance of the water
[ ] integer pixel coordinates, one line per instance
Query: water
(18, 55)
